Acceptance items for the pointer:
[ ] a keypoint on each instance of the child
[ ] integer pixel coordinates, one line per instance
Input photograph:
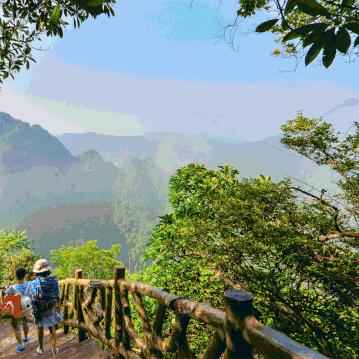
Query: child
(20, 288)
(45, 295)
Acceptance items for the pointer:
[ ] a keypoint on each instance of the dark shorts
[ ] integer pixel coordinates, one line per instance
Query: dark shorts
(17, 323)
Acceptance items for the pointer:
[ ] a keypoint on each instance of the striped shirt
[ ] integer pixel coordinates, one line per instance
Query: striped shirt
(21, 288)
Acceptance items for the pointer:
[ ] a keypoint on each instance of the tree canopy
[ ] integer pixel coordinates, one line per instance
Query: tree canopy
(23, 23)
(15, 252)
(95, 262)
(294, 250)
(310, 26)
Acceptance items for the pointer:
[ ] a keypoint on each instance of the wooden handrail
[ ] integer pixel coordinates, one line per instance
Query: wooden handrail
(104, 310)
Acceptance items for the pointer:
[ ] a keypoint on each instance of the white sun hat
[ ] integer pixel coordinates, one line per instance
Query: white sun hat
(41, 266)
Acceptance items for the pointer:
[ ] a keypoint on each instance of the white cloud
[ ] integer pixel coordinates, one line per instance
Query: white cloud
(59, 117)
(22, 107)
(248, 110)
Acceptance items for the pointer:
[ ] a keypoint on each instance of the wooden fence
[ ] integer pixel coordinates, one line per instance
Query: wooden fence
(106, 310)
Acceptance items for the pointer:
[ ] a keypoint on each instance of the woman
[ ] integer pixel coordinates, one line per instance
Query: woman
(45, 296)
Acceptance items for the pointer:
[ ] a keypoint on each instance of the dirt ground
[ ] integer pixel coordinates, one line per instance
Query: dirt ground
(68, 345)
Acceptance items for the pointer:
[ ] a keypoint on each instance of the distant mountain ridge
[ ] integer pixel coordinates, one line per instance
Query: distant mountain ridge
(170, 151)
(23, 146)
(57, 197)
(56, 186)
(347, 103)
(111, 148)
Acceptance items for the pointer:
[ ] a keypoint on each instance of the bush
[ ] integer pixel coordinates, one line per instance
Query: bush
(15, 252)
(96, 263)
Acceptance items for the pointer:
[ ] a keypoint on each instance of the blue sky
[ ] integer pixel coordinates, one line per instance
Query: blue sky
(164, 39)
(154, 54)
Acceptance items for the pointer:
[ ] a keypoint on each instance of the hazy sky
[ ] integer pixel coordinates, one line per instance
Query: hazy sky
(162, 66)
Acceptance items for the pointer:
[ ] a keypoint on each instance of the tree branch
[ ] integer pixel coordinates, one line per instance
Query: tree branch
(322, 201)
(334, 235)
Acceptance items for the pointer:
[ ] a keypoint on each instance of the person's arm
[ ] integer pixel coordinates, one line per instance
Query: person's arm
(9, 290)
(28, 289)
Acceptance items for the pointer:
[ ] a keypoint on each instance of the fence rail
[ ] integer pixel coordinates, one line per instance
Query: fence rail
(105, 310)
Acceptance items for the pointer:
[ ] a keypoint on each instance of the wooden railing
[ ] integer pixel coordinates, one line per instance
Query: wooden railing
(105, 310)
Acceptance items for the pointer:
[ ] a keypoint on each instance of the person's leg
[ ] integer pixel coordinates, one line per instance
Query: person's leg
(25, 326)
(40, 336)
(16, 328)
(53, 339)
(17, 332)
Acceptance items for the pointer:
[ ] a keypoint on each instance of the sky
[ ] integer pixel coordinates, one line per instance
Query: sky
(166, 65)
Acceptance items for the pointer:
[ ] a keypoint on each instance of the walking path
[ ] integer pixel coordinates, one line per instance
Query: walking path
(68, 346)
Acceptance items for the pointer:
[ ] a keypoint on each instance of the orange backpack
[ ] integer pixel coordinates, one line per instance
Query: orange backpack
(10, 306)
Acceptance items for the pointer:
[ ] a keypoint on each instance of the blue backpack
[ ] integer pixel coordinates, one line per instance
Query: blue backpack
(45, 298)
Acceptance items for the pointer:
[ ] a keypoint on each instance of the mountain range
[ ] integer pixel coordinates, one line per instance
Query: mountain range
(170, 151)
(113, 188)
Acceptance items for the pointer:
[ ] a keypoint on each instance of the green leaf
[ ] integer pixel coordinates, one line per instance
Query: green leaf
(352, 26)
(316, 28)
(309, 40)
(56, 14)
(267, 25)
(348, 2)
(292, 35)
(313, 8)
(95, 10)
(314, 51)
(94, 3)
(330, 49)
(343, 40)
(90, 5)
(290, 6)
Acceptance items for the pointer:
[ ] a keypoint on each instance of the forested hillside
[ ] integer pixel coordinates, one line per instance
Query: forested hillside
(114, 188)
(294, 248)
(57, 197)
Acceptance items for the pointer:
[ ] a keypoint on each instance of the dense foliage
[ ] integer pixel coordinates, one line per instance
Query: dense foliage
(96, 263)
(15, 252)
(296, 251)
(331, 26)
(319, 26)
(23, 23)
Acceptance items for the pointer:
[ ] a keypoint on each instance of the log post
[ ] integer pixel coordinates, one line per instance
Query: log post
(79, 313)
(66, 307)
(216, 346)
(108, 312)
(118, 273)
(239, 306)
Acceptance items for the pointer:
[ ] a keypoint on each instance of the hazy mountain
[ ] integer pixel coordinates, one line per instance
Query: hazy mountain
(57, 197)
(169, 151)
(113, 188)
(112, 148)
(23, 146)
(65, 224)
(344, 114)
(141, 197)
(351, 102)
